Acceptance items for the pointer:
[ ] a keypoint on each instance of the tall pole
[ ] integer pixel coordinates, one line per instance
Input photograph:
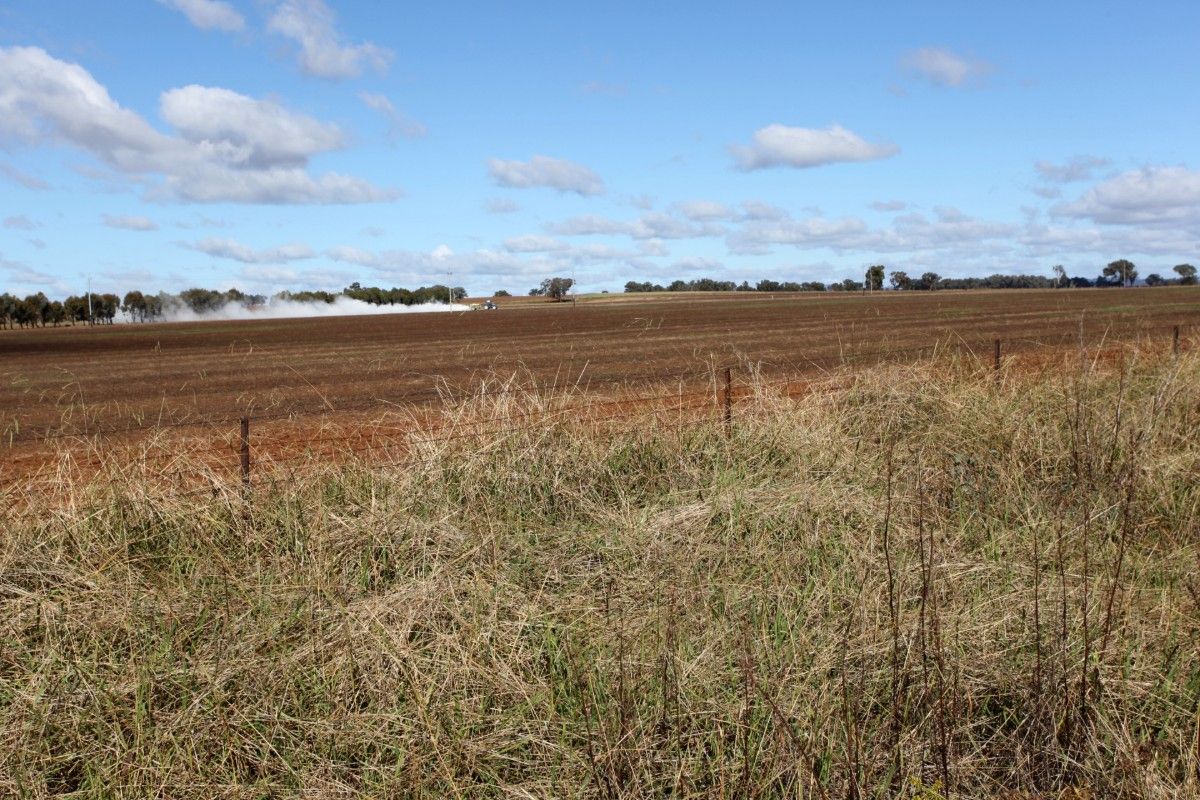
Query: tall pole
(89, 294)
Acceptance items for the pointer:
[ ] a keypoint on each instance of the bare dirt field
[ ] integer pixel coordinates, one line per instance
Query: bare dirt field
(69, 382)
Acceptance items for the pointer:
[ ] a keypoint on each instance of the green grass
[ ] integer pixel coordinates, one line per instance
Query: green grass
(922, 586)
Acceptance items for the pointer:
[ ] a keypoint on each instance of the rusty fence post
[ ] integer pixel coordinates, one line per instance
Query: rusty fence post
(728, 402)
(1175, 341)
(245, 451)
(996, 360)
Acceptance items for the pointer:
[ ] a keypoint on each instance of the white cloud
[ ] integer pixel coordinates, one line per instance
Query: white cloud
(758, 210)
(323, 53)
(399, 126)
(130, 223)
(944, 68)
(654, 225)
(695, 265)
(1160, 196)
(236, 251)
(534, 244)
(1077, 168)
(501, 205)
(246, 133)
(908, 233)
(208, 14)
(704, 210)
(20, 223)
(889, 205)
(554, 173)
(231, 148)
(782, 146)
(22, 178)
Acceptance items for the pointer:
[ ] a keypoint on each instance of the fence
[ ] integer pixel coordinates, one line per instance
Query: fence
(722, 394)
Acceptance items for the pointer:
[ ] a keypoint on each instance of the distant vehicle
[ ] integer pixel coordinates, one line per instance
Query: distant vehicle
(487, 305)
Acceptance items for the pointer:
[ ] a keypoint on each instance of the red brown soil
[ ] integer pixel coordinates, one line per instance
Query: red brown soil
(337, 383)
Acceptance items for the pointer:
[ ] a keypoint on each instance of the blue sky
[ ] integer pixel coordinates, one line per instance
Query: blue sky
(268, 144)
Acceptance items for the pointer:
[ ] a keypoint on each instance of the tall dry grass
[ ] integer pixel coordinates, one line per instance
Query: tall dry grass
(923, 585)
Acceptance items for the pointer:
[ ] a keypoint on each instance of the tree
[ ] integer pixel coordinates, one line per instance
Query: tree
(901, 281)
(8, 310)
(134, 304)
(1060, 275)
(929, 281)
(555, 288)
(1154, 279)
(501, 293)
(875, 277)
(1187, 274)
(1122, 272)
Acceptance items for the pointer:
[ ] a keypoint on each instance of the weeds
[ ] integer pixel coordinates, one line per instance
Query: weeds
(920, 585)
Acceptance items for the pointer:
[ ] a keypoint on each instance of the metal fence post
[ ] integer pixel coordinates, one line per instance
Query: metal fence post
(728, 402)
(1175, 341)
(996, 360)
(245, 452)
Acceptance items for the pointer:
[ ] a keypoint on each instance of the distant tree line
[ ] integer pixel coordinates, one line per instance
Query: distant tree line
(37, 310)
(1118, 273)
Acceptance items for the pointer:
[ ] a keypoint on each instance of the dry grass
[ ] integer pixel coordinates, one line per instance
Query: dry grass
(923, 585)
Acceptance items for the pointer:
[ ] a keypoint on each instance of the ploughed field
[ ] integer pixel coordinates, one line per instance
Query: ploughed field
(61, 384)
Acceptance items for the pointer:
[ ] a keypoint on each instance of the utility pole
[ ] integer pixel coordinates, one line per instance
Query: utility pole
(89, 295)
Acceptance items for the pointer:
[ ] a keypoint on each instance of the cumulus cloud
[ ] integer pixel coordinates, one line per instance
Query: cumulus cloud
(236, 251)
(544, 171)
(322, 51)
(130, 223)
(1159, 196)
(648, 226)
(908, 233)
(704, 210)
(229, 148)
(246, 133)
(22, 178)
(1077, 168)
(534, 244)
(208, 14)
(782, 146)
(944, 68)
(399, 126)
(501, 205)
(20, 223)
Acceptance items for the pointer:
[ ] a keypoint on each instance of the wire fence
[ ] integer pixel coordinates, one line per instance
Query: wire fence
(385, 442)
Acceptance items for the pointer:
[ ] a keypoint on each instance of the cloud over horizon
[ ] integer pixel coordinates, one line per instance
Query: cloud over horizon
(801, 148)
(209, 15)
(942, 67)
(547, 172)
(228, 147)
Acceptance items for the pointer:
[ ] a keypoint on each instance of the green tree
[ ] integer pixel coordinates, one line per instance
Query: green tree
(1154, 279)
(555, 288)
(1122, 272)
(929, 281)
(900, 280)
(875, 277)
(134, 304)
(1060, 275)
(8, 310)
(501, 293)
(1186, 273)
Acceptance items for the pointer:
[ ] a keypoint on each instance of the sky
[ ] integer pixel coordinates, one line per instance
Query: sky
(307, 144)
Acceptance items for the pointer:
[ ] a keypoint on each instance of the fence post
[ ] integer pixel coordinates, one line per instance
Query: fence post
(728, 402)
(1175, 341)
(996, 360)
(245, 452)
